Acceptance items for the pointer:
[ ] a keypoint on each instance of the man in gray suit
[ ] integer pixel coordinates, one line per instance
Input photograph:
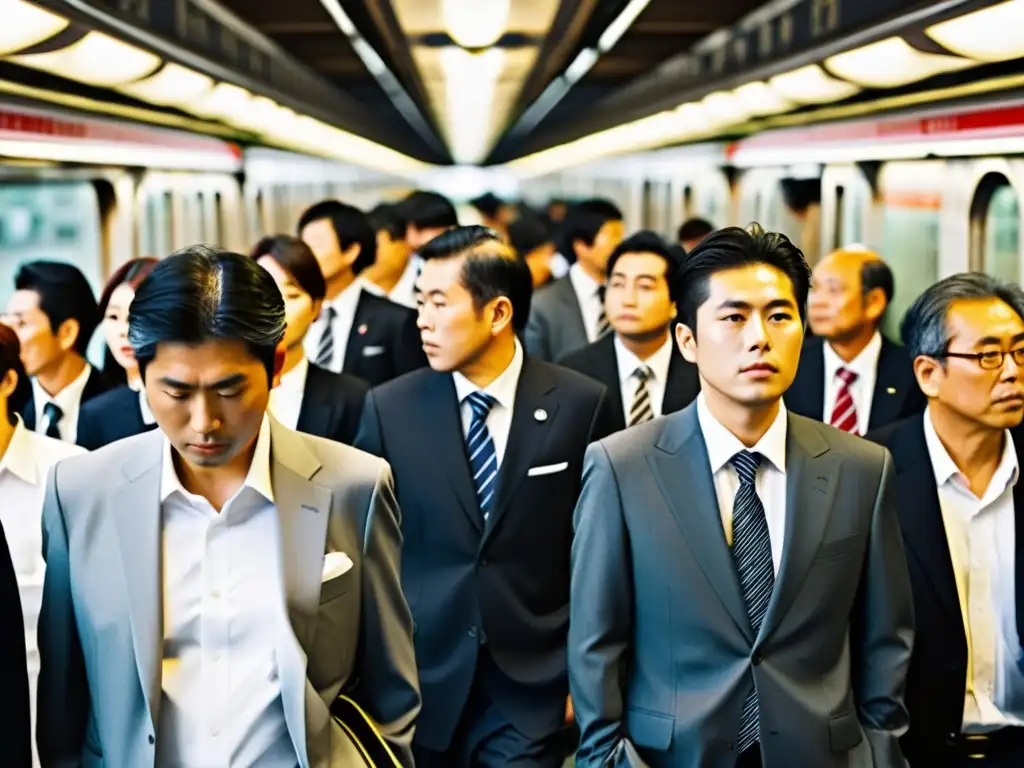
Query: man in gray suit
(568, 314)
(739, 590)
(213, 586)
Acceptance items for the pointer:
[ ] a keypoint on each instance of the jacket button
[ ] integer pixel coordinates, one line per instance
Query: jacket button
(758, 658)
(472, 632)
(729, 746)
(151, 739)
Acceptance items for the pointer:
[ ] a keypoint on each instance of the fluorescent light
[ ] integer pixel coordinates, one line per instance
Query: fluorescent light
(691, 120)
(724, 109)
(173, 85)
(623, 22)
(475, 23)
(370, 58)
(890, 63)
(224, 102)
(810, 85)
(25, 25)
(341, 19)
(759, 99)
(96, 59)
(581, 64)
(470, 84)
(121, 153)
(990, 34)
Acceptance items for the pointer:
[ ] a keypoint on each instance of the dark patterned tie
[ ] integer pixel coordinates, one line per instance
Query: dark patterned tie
(325, 352)
(642, 409)
(483, 460)
(603, 324)
(53, 413)
(752, 553)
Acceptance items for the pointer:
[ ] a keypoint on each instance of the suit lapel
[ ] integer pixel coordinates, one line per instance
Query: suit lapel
(361, 325)
(443, 424)
(135, 509)
(812, 366)
(528, 433)
(682, 385)
(318, 415)
(683, 472)
(891, 384)
(607, 365)
(812, 475)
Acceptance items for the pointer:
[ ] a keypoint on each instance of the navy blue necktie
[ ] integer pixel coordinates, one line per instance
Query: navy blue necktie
(325, 350)
(53, 413)
(483, 460)
(752, 553)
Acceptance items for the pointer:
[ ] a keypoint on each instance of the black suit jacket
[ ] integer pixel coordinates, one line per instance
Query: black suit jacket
(331, 405)
(505, 586)
(599, 362)
(896, 396)
(16, 738)
(94, 387)
(384, 342)
(937, 678)
(112, 416)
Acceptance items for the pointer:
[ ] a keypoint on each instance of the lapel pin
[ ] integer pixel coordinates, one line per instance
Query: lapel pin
(891, 390)
(363, 329)
(540, 415)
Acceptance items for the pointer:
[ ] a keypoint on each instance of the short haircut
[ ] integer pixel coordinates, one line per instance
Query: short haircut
(388, 217)
(350, 226)
(10, 360)
(64, 294)
(295, 258)
(584, 221)
(131, 273)
(646, 241)
(429, 210)
(528, 233)
(924, 329)
(733, 248)
(486, 273)
(875, 273)
(200, 294)
(488, 204)
(694, 229)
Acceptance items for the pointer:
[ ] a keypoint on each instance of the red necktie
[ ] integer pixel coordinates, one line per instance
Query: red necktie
(844, 415)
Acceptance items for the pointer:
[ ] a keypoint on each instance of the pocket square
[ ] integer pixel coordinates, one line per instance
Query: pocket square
(372, 351)
(549, 469)
(335, 564)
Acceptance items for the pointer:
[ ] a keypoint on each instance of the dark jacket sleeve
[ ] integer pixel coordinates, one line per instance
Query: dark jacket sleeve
(16, 742)
(369, 437)
(408, 348)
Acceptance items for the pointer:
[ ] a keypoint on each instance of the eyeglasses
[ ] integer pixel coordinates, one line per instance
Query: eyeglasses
(990, 360)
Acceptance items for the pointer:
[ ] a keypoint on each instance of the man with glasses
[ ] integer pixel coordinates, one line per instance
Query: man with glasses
(957, 467)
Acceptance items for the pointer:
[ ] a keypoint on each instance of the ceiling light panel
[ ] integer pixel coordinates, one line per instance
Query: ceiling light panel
(172, 86)
(26, 25)
(810, 85)
(475, 23)
(759, 99)
(891, 63)
(96, 59)
(990, 34)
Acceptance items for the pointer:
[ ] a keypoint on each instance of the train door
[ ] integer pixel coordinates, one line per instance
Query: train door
(846, 199)
(995, 228)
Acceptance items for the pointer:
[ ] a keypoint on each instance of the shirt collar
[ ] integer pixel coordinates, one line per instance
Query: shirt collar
(349, 297)
(582, 283)
(67, 398)
(658, 362)
(502, 389)
(147, 412)
(20, 458)
(258, 477)
(722, 444)
(295, 379)
(946, 469)
(864, 364)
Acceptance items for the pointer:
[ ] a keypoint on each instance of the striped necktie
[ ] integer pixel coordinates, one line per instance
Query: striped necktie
(844, 415)
(642, 409)
(603, 324)
(752, 553)
(325, 351)
(483, 460)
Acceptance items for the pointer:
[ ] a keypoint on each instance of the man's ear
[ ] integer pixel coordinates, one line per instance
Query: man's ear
(686, 340)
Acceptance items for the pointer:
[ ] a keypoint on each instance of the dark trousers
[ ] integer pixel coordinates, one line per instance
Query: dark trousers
(484, 737)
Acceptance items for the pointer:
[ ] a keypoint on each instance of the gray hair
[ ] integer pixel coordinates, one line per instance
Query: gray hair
(924, 328)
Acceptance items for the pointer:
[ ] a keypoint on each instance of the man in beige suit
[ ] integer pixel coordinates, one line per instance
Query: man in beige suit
(212, 586)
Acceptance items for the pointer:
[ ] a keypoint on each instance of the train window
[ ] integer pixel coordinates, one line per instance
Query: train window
(995, 228)
(910, 239)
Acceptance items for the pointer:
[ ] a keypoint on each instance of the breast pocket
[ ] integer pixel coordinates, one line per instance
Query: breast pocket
(336, 587)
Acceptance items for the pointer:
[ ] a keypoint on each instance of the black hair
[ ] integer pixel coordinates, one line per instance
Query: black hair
(389, 218)
(646, 241)
(488, 204)
(199, 294)
(731, 248)
(528, 233)
(131, 273)
(429, 210)
(295, 258)
(486, 274)
(10, 360)
(694, 229)
(350, 226)
(875, 273)
(583, 222)
(64, 294)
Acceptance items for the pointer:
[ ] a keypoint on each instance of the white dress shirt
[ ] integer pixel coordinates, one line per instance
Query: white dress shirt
(23, 471)
(770, 482)
(865, 365)
(503, 389)
(345, 305)
(223, 604)
(286, 397)
(980, 534)
(657, 363)
(69, 400)
(588, 296)
(147, 412)
(404, 292)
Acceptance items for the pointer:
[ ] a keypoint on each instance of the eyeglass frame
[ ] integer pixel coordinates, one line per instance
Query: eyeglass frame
(979, 356)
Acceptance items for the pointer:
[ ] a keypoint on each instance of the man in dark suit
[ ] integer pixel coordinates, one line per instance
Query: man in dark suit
(568, 314)
(486, 449)
(961, 509)
(850, 375)
(358, 332)
(54, 312)
(16, 742)
(739, 590)
(638, 362)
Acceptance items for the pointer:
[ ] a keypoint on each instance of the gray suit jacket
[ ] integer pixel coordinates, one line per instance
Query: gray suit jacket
(555, 327)
(100, 627)
(661, 651)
